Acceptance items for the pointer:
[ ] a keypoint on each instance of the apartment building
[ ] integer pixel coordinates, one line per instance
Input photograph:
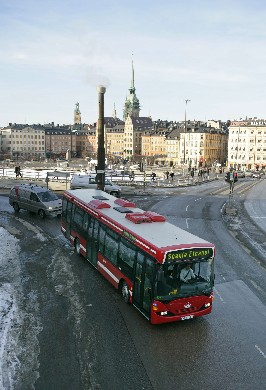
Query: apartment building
(59, 141)
(247, 144)
(203, 146)
(23, 141)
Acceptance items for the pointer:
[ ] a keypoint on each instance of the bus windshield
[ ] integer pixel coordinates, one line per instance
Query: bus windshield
(177, 280)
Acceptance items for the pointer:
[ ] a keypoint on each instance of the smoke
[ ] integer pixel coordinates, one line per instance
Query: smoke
(95, 78)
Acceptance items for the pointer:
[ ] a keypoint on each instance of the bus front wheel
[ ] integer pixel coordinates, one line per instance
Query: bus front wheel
(125, 292)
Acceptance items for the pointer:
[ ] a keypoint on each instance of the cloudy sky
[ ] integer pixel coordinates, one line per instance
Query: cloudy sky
(54, 53)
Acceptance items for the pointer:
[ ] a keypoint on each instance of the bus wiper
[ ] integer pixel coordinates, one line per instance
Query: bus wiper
(207, 291)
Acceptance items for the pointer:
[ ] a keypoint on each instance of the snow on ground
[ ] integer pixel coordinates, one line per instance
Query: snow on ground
(19, 324)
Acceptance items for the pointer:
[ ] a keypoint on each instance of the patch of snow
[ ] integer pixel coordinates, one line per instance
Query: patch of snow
(19, 324)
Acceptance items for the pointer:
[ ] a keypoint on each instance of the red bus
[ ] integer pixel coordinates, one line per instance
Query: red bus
(162, 270)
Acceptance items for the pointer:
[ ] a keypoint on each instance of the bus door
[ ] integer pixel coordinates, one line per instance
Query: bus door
(66, 217)
(143, 282)
(92, 243)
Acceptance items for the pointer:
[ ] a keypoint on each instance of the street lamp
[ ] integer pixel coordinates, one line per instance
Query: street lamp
(185, 130)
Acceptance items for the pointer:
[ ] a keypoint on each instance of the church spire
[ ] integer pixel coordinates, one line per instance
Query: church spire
(132, 106)
(132, 79)
(114, 112)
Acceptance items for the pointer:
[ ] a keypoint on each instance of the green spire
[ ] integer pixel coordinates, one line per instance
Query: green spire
(132, 80)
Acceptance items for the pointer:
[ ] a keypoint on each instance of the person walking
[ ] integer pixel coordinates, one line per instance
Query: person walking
(16, 170)
(153, 175)
(19, 171)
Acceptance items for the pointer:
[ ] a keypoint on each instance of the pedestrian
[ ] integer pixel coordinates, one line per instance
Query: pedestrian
(172, 175)
(132, 176)
(19, 171)
(167, 175)
(16, 171)
(208, 173)
(153, 176)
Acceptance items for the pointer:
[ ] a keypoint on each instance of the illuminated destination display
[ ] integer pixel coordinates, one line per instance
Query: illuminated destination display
(189, 254)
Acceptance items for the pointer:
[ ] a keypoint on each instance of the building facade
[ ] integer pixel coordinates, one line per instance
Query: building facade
(23, 141)
(247, 144)
(203, 147)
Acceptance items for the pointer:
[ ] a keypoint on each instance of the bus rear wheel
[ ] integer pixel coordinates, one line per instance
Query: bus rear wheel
(125, 292)
(77, 246)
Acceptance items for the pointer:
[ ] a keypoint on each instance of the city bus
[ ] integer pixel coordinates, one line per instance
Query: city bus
(165, 272)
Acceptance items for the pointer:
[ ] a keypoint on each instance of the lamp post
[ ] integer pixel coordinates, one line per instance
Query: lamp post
(185, 130)
(100, 178)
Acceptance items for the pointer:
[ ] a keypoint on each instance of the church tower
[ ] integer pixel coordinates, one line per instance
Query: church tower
(114, 112)
(77, 115)
(132, 107)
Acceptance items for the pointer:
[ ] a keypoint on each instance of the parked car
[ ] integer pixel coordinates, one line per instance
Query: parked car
(241, 174)
(257, 175)
(88, 181)
(36, 199)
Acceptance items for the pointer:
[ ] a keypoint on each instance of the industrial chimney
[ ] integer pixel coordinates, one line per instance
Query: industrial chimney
(100, 178)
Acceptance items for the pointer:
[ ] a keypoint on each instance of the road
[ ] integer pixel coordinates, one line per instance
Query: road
(71, 329)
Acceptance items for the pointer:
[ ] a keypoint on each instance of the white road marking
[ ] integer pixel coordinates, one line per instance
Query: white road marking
(260, 351)
(219, 295)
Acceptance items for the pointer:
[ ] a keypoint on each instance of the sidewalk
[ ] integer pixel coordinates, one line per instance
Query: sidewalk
(150, 188)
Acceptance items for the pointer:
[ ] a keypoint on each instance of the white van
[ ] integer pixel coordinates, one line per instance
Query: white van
(88, 181)
(35, 199)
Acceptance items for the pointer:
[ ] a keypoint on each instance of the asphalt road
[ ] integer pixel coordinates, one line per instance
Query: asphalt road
(75, 332)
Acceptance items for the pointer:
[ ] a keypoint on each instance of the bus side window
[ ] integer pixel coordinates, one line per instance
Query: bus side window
(77, 218)
(86, 221)
(102, 232)
(127, 254)
(111, 248)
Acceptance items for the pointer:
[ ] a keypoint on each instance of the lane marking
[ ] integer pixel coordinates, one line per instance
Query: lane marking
(260, 351)
(219, 295)
(187, 222)
(187, 207)
(257, 287)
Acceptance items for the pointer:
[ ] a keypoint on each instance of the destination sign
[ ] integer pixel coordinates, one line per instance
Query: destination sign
(129, 236)
(189, 254)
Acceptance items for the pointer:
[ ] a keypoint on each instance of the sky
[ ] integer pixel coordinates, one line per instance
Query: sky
(54, 54)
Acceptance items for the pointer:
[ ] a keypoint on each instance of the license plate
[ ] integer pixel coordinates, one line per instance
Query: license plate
(187, 317)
